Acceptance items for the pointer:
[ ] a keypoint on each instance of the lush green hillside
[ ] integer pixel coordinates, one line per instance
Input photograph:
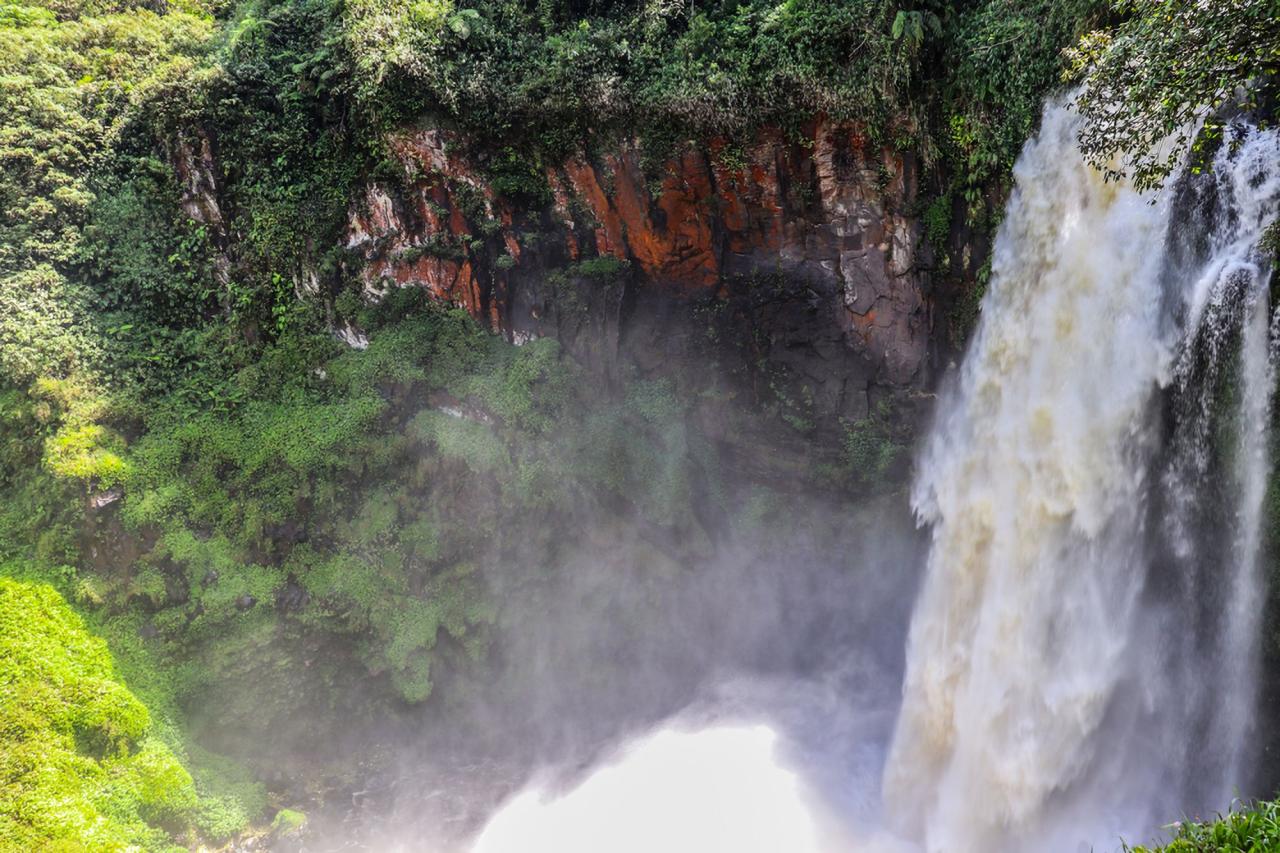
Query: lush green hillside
(83, 765)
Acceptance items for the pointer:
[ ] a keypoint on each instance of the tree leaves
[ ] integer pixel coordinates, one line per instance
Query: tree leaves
(911, 27)
(1155, 76)
(462, 21)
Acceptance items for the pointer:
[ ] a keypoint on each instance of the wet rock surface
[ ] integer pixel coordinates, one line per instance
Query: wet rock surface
(805, 250)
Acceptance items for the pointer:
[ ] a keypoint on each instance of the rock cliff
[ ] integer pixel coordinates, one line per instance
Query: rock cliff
(810, 245)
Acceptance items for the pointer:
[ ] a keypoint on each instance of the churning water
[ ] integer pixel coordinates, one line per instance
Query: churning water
(1082, 653)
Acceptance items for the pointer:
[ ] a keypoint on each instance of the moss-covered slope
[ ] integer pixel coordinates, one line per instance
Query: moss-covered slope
(81, 767)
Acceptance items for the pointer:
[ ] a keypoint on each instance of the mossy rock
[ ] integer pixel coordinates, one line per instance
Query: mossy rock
(288, 823)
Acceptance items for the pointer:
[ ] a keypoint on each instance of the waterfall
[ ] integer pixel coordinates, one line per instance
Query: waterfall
(1082, 653)
(1082, 657)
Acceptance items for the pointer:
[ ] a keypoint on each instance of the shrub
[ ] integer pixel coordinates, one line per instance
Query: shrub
(1248, 826)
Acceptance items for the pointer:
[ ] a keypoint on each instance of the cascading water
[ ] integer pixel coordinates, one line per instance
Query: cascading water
(1083, 620)
(1081, 657)
(1206, 534)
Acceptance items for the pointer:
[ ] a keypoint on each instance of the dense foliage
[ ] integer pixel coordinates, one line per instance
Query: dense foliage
(1170, 65)
(79, 757)
(71, 81)
(1252, 827)
(295, 98)
(960, 80)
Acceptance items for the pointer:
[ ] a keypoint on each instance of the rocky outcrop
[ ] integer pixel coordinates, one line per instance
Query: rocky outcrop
(196, 167)
(825, 218)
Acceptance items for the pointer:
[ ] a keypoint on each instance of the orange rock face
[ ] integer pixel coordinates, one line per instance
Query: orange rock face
(824, 210)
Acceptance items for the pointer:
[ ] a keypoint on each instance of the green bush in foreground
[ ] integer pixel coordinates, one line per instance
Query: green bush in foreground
(1253, 828)
(79, 765)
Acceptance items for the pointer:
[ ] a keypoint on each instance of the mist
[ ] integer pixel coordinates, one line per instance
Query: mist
(788, 644)
(764, 680)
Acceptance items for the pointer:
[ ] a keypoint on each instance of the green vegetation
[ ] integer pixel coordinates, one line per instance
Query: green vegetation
(874, 446)
(1168, 64)
(321, 478)
(557, 69)
(1251, 827)
(1002, 59)
(288, 822)
(80, 758)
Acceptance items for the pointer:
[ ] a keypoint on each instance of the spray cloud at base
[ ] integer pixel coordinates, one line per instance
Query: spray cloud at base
(717, 788)
(759, 649)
